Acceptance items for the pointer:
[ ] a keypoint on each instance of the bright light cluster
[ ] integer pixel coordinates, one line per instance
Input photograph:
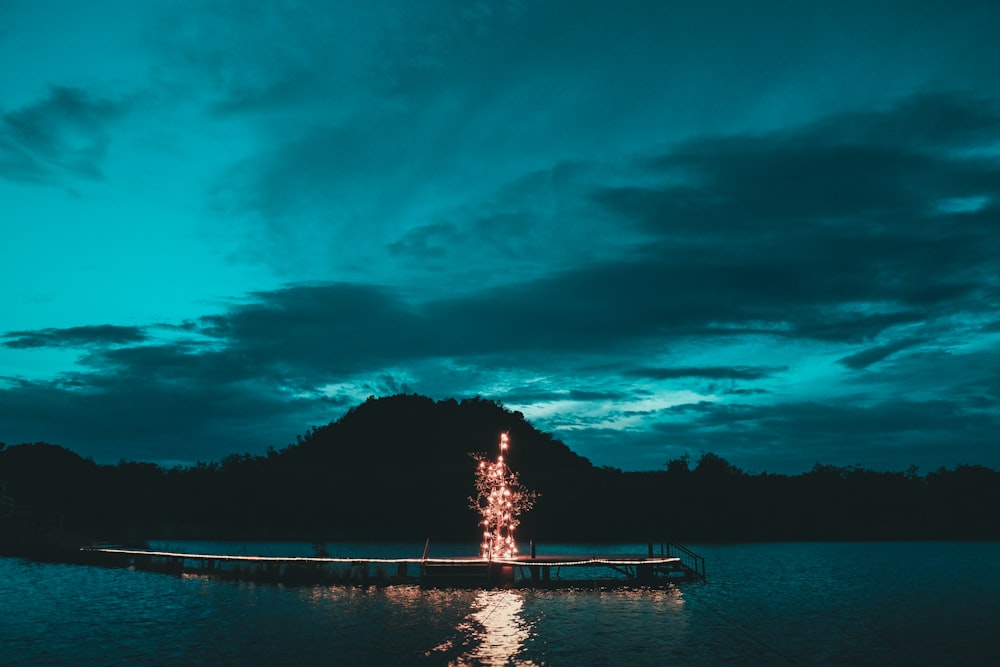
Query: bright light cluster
(500, 501)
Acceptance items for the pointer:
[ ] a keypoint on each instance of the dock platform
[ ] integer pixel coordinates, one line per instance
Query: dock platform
(674, 564)
(560, 571)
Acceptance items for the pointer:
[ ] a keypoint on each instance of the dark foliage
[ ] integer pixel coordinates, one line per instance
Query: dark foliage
(398, 468)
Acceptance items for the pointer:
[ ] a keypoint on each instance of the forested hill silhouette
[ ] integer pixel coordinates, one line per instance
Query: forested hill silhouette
(399, 468)
(413, 432)
(394, 468)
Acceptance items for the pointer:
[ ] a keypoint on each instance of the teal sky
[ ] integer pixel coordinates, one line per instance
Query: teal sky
(769, 231)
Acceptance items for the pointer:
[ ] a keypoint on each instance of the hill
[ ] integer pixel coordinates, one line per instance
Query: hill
(399, 468)
(395, 468)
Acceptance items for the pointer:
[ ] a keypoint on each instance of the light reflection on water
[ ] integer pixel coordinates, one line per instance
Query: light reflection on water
(495, 631)
(470, 627)
(502, 633)
(580, 627)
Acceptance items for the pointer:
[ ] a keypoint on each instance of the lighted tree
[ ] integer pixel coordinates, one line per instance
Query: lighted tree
(500, 500)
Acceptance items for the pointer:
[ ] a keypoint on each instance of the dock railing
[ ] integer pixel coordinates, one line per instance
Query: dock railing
(689, 559)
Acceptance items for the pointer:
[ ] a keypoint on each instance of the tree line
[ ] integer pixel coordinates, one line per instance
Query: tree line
(401, 468)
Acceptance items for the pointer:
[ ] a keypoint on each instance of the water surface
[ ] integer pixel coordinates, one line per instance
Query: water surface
(763, 604)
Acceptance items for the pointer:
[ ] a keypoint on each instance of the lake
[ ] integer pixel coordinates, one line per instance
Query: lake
(926, 603)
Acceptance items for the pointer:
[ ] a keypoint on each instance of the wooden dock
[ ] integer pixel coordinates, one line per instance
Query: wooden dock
(560, 571)
(674, 564)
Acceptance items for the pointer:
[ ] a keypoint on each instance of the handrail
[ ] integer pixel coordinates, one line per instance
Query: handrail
(689, 559)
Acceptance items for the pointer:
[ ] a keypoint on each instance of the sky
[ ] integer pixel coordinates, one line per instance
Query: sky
(769, 231)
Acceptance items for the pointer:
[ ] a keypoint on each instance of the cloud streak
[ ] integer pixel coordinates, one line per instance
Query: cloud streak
(65, 135)
(75, 337)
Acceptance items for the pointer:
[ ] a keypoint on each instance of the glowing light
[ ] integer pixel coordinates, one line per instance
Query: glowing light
(511, 560)
(500, 500)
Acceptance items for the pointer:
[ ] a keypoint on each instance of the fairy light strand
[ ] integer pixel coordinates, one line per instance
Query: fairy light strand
(500, 500)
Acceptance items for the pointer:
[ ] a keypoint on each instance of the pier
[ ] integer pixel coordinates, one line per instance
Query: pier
(673, 564)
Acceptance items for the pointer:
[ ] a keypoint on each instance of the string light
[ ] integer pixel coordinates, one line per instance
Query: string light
(500, 500)
(564, 562)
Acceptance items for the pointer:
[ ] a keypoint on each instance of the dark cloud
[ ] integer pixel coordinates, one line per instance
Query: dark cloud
(935, 121)
(963, 375)
(67, 133)
(873, 355)
(115, 415)
(319, 330)
(847, 173)
(835, 231)
(75, 337)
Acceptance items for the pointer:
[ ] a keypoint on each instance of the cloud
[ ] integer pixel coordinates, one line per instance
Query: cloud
(76, 337)
(322, 330)
(709, 372)
(873, 355)
(115, 415)
(411, 127)
(832, 230)
(793, 436)
(253, 374)
(536, 225)
(65, 134)
(945, 367)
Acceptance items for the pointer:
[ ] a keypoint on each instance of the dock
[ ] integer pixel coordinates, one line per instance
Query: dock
(673, 564)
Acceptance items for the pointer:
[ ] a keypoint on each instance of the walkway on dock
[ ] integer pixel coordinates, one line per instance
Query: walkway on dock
(541, 570)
